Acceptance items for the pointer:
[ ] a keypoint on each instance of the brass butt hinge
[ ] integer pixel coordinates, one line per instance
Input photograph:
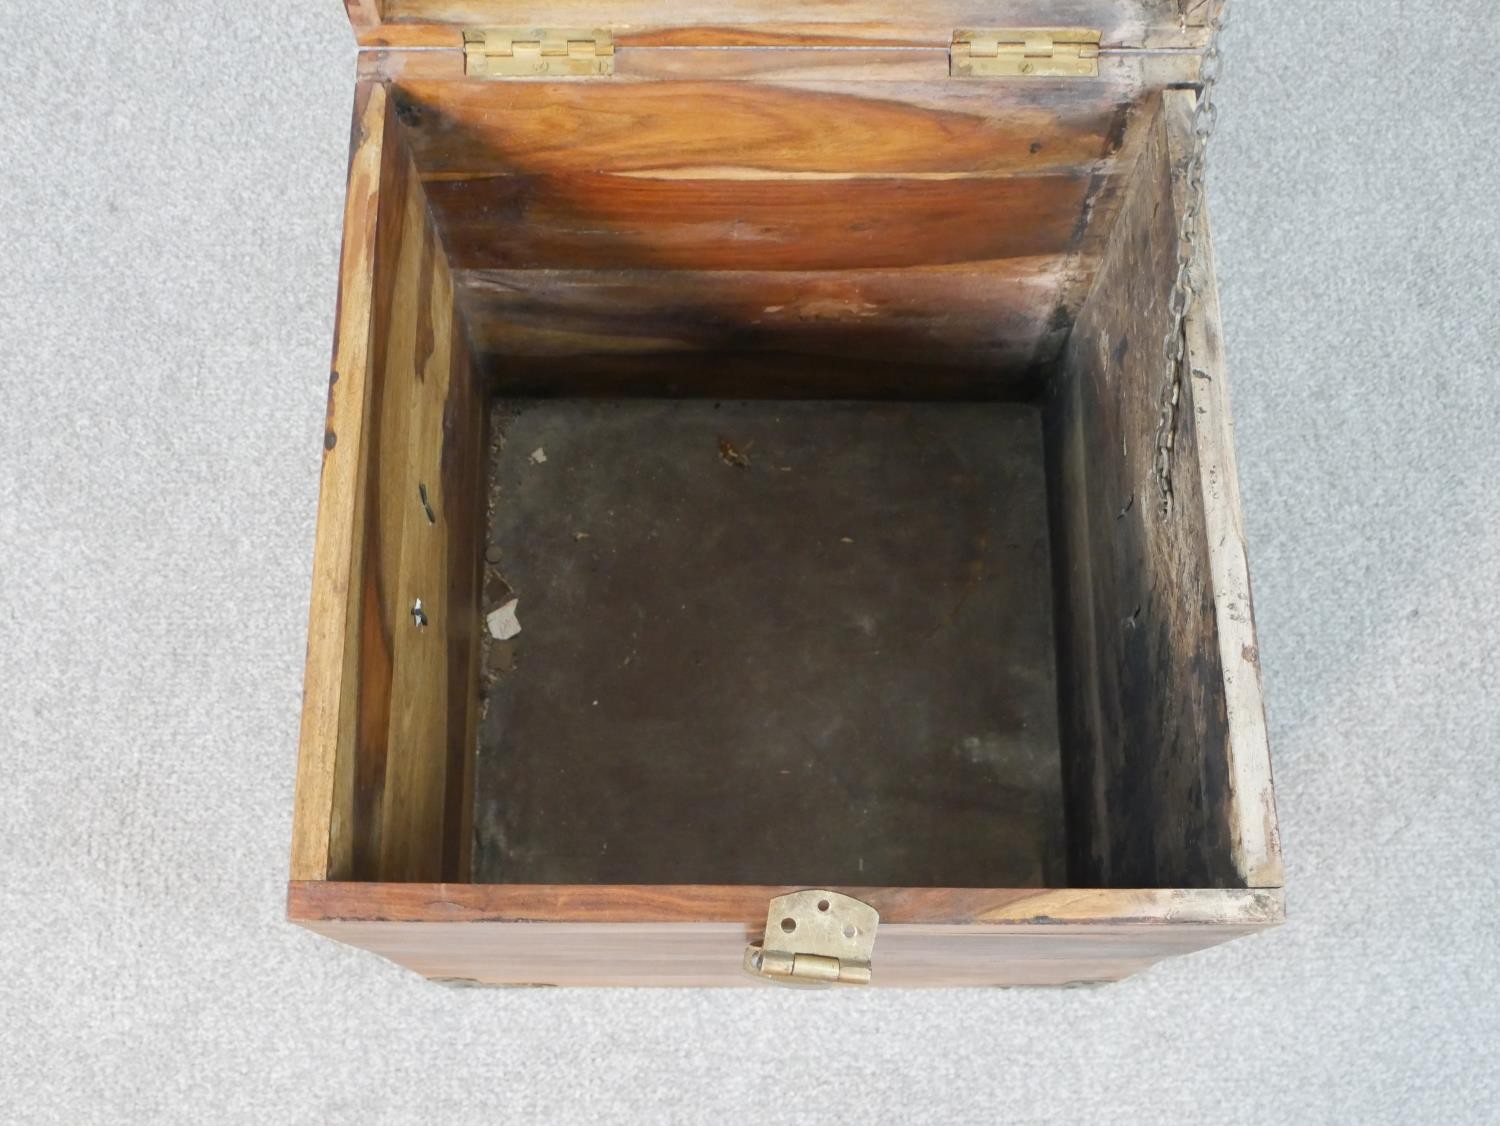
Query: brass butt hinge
(815, 938)
(536, 52)
(1030, 52)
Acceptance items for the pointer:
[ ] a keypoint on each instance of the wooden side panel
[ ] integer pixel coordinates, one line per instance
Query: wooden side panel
(1199, 13)
(423, 514)
(975, 321)
(364, 15)
(724, 131)
(1168, 782)
(1139, 23)
(603, 231)
(462, 472)
(695, 936)
(746, 176)
(784, 64)
(414, 559)
(683, 954)
(623, 223)
(321, 836)
(1250, 806)
(384, 754)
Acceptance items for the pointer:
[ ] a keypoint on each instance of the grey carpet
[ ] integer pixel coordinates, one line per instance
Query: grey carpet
(170, 193)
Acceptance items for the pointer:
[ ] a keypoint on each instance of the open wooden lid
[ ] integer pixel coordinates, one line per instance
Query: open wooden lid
(749, 23)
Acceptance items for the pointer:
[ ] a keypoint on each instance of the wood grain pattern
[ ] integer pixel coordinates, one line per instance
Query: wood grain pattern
(364, 15)
(1139, 650)
(384, 755)
(310, 901)
(417, 681)
(1198, 13)
(803, 214)
(414, 536)
(1155, 795)
(1250, 806)
(737, 176)
(618, 223)
(1134, 23)
(723, 131)
(782, 64)
(463, 471)
(566, 204)
(708, 955)
(985, 316)
(320, 830)
(694, 936)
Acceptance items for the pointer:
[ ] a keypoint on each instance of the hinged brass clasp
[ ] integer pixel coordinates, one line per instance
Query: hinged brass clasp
(815, 937)
(1032, 52)
(533, 52)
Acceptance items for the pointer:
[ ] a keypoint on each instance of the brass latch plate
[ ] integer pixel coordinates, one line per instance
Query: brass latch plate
(535, 52)
(815, 937)
(1033, 52)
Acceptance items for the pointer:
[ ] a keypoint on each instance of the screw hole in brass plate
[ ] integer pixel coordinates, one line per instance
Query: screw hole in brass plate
(815, 938)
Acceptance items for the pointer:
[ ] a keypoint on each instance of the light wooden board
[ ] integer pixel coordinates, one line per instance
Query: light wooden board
(636, 62)
(695, 936)
(1134, 23)
(321, 831)
(1169, 782)
(725, 131)
(388, 713)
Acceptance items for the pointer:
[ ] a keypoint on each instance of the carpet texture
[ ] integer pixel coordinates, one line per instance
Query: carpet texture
(170, 199)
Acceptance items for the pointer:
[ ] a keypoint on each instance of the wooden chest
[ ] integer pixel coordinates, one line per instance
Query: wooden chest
(778, 515)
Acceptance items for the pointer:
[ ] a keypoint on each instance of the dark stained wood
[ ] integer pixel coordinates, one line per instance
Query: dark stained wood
(696, 935)
(755, 375)
(1250, 806)
(771, 641)
(1140, 704)
(1145, 715)
(982, 317)
(1109, 179)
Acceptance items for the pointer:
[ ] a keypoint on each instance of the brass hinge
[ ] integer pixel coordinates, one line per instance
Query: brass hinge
(536, 52)
(815, 937)
(1030, 52)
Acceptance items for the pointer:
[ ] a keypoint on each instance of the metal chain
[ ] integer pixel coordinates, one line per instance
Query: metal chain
(1205, 118)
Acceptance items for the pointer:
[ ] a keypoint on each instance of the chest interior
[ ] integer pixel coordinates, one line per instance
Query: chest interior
(800, 406)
